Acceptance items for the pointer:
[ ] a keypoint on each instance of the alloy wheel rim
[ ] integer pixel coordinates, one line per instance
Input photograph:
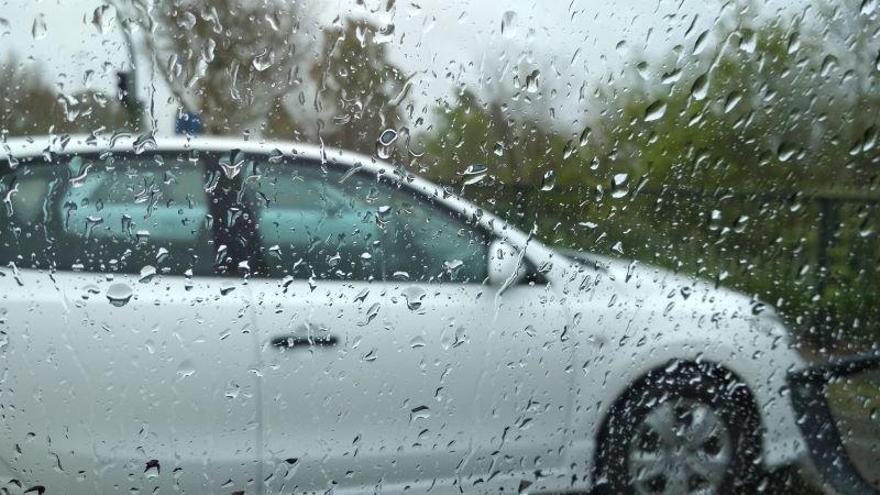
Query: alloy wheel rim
(681, 446)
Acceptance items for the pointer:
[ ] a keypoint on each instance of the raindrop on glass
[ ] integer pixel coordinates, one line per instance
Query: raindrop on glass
(655, 111)
(385, 142)
(619, 186)
(119, 294)
(548, 182)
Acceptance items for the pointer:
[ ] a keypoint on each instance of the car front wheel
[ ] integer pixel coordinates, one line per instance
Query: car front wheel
(690, 431)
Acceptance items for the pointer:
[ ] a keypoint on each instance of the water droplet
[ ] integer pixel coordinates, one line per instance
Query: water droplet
(508, 24)
(786, 151)
(701, 42)
(619, 186)
(152, 469)
(732, 101)
(119, 294)
(548, 182)
(758, 308)
(869, 140)
(185, 370)
(362, 295)
(100, 18)
(92, 221)
(372, 312)
(585, 136)
(227, 287)
(263, 59)
(474, 180)
(532, 81)
(7, 199)
(385, 142)
(244, 268)
(147, 273)
(715, 219)
(748, 41)
(655, 111)
(232, 163)
(275, 251)
(419, 412)
(475, 169)
(414, 297)
(794, 43)
(630, 270)
(452, 265)
(13, 162)
(38, 29)
(828, 65)
(145, 142)
(701, 87)
(686, 291)
(161, 255)
(90, 290)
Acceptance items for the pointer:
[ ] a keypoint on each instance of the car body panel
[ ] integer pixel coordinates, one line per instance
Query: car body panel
(156, 393)
(523, 392)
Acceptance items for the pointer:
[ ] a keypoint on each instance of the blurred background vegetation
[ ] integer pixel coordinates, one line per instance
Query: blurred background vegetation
(747, 156)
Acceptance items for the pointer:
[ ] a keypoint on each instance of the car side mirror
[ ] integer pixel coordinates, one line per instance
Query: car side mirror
(506, 265)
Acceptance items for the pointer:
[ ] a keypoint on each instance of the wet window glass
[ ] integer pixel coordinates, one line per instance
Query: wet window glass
(440, 246)
(331, 223)
(114, 213)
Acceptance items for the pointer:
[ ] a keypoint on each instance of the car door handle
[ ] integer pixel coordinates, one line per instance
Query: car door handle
(286, 342)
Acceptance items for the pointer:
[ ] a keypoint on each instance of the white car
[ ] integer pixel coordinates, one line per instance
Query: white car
(211, 315)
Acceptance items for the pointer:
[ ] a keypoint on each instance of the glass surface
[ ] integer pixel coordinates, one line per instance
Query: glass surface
(439, 246)
(111, 214)
(326, 223)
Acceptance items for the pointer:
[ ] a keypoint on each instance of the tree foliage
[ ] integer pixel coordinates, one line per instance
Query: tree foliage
(750, 146)
(30, 106)
(230, 61)
(358, 84)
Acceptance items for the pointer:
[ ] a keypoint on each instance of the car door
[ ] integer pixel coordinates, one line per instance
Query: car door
(523, 401)
(376, 329)
(128, 357)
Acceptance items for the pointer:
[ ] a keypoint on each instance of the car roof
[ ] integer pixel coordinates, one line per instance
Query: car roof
(26, 147)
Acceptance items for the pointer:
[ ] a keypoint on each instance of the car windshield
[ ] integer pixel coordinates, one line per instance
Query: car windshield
(458, 246)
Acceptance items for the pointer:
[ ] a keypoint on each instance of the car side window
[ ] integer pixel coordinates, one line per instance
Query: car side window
(309, 228)
(429, 243)
(114, 213)
(319, 221)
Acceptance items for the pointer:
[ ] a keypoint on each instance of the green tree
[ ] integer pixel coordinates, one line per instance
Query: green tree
(757, 152)
(357, 84)
(30, 106)
(231, 61)
(517, 151)
(27, 101)
(720, 160)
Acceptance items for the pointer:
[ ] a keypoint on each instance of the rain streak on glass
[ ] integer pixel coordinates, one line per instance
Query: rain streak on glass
(440, 246)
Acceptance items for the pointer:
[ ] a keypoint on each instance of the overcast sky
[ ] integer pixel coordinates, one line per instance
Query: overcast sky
(445, 42)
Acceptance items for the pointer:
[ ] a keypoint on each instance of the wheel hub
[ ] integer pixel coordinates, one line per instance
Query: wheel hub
(681, 446)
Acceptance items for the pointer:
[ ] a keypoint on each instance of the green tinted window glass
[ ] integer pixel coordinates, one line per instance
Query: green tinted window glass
(317, 221)
(113, 214)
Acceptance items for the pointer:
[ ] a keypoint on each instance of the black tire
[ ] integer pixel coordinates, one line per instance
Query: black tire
(678, 383)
